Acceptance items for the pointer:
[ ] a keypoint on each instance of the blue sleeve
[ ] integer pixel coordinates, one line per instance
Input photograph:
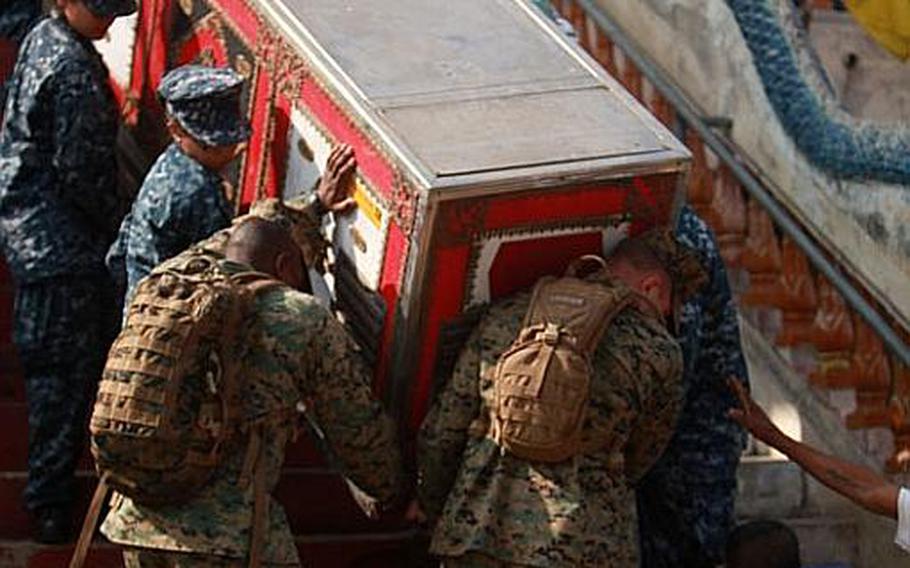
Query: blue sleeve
(84, 133)
(712, 352)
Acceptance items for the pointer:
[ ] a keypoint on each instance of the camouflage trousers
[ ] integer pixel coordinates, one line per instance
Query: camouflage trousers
(475, 560)
(148, 558)
(63, 329)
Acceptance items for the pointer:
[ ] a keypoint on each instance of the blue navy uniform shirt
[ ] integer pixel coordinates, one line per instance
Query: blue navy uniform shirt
(706, 439)
(180, 202)
(688, 497)
(58, 172)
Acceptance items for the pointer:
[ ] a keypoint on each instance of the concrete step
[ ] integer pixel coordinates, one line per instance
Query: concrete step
(827, 541)
(770, 488)
(777, 489)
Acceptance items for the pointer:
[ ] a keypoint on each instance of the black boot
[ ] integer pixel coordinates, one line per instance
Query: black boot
(52, 525)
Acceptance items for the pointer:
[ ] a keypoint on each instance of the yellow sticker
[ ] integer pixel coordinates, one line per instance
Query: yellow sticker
(366, 204)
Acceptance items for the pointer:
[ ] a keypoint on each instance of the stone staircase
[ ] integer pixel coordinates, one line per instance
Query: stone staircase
(832, 531)
(791, 303)
(822, 368)
(803, 334)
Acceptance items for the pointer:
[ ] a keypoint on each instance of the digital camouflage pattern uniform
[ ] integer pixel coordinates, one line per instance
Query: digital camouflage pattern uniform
(181, 201)
(298, 217)
(686, 501)
(496, 508)
(58, 213)
(298, 352)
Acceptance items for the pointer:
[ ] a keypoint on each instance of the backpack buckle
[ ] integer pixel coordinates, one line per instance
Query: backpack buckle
(550, 334)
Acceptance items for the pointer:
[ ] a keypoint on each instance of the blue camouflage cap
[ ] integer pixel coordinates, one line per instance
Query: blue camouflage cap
(108, 8)
(205, 101)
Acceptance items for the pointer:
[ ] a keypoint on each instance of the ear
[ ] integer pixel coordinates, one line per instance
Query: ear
(282, 266)
(174, 129)
(653, 287)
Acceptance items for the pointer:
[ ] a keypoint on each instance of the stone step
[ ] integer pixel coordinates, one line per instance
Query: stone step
(770, 488)
(777, 489)
(827, 541)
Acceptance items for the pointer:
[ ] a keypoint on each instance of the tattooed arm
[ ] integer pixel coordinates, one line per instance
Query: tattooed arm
(861, 485)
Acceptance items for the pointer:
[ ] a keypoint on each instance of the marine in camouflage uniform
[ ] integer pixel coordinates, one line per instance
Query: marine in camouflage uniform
(58, 215)
(182, 200)
(686, 502)
(493, 509)
(298, 351)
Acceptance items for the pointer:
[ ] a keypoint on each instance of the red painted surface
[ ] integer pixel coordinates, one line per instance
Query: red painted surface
(253, 162)
(390, 288)
(243, 17)
(205, 39)
(520, 264)
(448, 270)
(276, 151)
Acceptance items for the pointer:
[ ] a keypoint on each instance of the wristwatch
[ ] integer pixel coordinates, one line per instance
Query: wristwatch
(318, 206)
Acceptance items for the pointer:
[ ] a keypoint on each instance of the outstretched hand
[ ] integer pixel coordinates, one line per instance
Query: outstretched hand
(752, 417)
(335, 187)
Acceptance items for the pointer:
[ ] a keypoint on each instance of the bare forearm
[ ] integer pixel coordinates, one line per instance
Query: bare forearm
(859, 484)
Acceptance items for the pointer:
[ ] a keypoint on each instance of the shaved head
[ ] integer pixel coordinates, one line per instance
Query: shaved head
(637, 254)
(268, 248)
(639, 267)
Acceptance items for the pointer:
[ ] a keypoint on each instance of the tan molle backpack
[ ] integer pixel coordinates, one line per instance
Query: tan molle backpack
(542, 381)
(169, 400)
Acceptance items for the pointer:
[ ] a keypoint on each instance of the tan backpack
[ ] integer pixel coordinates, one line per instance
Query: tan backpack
(169, 400)
(542, 381)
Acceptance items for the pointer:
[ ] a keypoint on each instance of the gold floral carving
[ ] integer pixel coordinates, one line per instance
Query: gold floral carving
(404, 203)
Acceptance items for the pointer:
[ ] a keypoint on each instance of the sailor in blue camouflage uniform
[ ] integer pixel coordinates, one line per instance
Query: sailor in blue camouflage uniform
(182, 199)
(686, 501)
(58, 215)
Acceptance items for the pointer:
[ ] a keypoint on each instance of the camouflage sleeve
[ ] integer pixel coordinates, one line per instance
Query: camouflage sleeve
(85, 161)
(335, 382)
(655, 360)
(307, 230)
(444, 432)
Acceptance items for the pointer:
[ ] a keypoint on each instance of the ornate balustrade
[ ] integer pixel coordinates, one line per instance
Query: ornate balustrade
(784, 294)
